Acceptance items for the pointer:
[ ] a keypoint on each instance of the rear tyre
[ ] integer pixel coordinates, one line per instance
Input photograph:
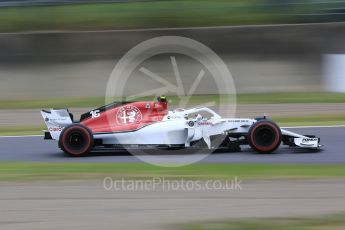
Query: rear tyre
(264, 136)
(76, 140)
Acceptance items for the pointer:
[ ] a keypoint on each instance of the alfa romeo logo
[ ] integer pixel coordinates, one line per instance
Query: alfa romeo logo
(128, 115)
(189, 73)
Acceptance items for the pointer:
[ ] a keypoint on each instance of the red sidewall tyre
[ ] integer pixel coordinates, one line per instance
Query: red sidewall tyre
(264, 136)
(76, 140)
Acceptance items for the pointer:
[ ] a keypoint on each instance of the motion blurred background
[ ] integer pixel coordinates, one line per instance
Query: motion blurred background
(287, 59)
(61, 53)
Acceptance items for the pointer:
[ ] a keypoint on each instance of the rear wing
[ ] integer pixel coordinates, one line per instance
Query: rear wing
(56, 120)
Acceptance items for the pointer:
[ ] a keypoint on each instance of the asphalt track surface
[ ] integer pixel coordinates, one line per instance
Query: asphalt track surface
(35, 149)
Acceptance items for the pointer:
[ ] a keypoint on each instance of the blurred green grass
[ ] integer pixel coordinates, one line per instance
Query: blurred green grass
(326, 222)
(148, 14)
(12, 171)
(20, 131)
(326, 119)
(254, 98)
(291, 97)
(52, 103)
(161, 14)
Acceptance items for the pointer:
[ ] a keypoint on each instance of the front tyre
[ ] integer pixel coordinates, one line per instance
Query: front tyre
(76, 140)
(264, 136)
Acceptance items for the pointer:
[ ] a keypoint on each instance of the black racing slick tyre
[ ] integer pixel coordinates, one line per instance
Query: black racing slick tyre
(264, 136)
(76, 140)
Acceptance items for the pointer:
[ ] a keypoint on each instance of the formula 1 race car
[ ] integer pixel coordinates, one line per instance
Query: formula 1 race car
(149, 124)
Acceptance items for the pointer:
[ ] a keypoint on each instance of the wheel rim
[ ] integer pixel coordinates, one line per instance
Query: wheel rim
(264, 136)
(76, 140)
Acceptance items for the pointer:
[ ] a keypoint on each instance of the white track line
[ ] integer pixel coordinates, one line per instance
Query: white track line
(320, 126)
(296, 127)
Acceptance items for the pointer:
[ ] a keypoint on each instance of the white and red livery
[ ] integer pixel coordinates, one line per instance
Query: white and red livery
(150, 124)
